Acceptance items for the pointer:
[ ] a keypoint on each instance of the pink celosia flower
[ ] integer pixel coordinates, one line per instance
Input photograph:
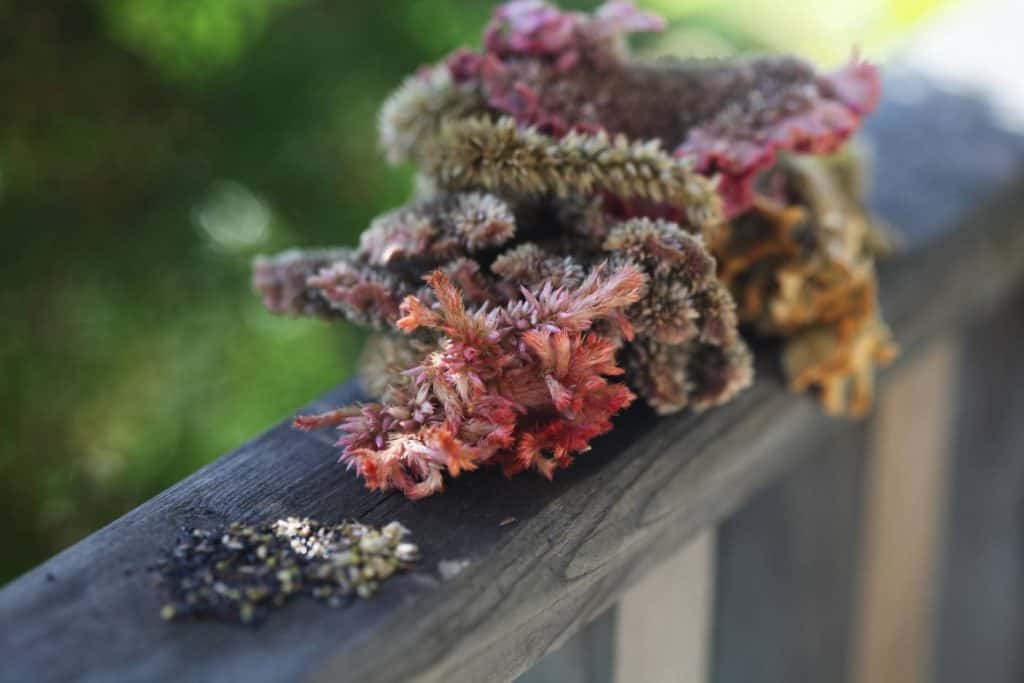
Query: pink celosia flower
(619, 17)
(525, 385)
(530, 27)
(811, 117)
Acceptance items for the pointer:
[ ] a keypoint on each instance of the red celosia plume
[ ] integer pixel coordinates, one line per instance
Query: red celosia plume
(523, 385)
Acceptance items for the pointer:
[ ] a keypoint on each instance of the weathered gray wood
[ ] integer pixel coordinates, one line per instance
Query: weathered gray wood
(786, 571)
(587, 657)
(981, 611)
(905, 489)
(90, 613)
(663, 632)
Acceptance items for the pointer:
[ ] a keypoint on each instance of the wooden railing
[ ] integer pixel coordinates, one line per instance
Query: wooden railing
(761, 541)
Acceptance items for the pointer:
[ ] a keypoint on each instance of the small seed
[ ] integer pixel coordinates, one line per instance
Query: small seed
(407, 552)
(373, 542)
(393, 532)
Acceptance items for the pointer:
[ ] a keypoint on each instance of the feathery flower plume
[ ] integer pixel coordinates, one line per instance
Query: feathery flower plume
(281, 281)
(524, 386)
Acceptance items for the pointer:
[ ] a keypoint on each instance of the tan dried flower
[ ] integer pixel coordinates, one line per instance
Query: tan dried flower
(801, 266)
(695, 375)
(501, 157)
(413, 113)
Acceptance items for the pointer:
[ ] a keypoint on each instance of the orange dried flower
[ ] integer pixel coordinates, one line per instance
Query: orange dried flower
(800, 263)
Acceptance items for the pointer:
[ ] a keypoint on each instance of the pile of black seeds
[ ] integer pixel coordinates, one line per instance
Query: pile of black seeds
(239, 572)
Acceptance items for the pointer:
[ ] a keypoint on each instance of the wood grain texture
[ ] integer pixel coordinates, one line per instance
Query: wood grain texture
(90, 612)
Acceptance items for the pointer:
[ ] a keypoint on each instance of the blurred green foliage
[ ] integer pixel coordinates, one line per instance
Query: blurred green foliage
(148, 149)
(187, 38)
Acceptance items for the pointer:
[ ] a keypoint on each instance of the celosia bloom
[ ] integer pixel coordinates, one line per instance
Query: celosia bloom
(800, 262)
(583, 222)
(523, 385)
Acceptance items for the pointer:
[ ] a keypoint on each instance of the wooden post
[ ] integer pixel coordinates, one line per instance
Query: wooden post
(664, 627)
(980, 617)
(911, 446)
(587, 657)
(786, 570)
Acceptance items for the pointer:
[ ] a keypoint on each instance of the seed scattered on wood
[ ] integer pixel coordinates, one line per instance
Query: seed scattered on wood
(237, 573)
(449, 569)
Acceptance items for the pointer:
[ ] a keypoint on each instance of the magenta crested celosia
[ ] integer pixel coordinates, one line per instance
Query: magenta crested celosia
(582, 223)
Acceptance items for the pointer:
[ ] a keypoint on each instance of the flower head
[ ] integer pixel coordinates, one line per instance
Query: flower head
(524, 386)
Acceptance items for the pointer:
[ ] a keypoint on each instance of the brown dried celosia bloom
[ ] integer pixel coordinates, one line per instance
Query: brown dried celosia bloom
(582, 222)
(531, 265)
(283, 281)
(438, 229)
(681, 283)
(693, 374)
(688, 351)
(800, 262)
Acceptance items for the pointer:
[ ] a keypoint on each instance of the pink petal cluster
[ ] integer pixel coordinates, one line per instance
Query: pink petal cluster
(741, 142)
(524, 385)
(535, 28)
